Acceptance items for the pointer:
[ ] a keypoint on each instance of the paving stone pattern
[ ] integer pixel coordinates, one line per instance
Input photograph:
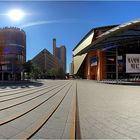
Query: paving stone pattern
(108, 111)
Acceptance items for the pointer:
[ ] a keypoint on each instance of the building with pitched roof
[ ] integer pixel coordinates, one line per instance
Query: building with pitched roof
(46, 61)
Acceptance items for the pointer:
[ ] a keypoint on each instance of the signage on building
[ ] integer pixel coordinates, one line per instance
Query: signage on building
(132, 63)
(93, 61)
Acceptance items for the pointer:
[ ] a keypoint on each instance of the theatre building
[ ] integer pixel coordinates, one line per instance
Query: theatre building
(109, 52)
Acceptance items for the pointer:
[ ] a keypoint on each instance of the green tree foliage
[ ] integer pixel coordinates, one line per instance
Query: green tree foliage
(56, 73)
(28, 66)
(34, 72)
(61, 73)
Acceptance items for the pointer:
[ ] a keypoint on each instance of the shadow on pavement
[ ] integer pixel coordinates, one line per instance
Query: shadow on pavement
(19, 84)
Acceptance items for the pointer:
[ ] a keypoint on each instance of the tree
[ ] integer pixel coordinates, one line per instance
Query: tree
(35, 72)
(32, 70)
(56, 73)
(52, 73)
(28, 66)
(61, 73)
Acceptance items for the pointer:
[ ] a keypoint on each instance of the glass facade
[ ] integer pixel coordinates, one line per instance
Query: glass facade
(112, 65)
(12, 53)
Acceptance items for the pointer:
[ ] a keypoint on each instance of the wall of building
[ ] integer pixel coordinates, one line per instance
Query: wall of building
(71, 69)
(116, 43)
(62, 51)
(12, 52)
(96, 72)
(60, 54)
(82, 66)
(46, 61)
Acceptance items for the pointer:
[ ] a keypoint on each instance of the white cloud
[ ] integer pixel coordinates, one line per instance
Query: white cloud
(53, 21)
(39, 23)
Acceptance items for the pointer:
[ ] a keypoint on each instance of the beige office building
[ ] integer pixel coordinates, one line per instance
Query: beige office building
(60, 54)
(45, 60)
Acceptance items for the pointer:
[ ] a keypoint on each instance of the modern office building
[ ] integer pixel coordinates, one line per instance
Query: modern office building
(45, 60)
(110, 52)
(71, 69)
(60, 53)
(12, 53)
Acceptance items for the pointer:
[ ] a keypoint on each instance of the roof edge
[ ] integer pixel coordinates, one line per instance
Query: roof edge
(96, 28)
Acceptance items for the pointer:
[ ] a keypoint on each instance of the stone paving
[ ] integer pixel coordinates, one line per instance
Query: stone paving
(22, 109)
(105, 111)
(108, 111)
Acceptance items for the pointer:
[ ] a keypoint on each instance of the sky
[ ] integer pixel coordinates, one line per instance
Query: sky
(67, 21)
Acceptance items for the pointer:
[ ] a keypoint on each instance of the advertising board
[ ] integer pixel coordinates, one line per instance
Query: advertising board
(132, 63)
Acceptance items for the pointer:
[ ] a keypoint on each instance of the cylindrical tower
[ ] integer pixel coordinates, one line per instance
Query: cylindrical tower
(12, 53)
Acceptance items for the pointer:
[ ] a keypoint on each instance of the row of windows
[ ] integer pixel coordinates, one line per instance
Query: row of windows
(13, 49)
(10, 68)
(14, 41)
(40, 60)
(12, 58)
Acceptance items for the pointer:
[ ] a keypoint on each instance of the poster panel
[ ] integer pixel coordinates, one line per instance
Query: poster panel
(132, 63)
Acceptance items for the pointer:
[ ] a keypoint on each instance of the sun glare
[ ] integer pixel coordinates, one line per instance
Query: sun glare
(16, 14)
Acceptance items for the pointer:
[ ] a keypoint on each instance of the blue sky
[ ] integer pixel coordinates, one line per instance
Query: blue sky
(68, 22)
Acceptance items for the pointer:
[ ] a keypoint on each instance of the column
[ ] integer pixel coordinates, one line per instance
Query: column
(88, 68)
(100, 65)
(22, 76)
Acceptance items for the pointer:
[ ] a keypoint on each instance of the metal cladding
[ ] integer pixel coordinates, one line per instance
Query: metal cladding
(12, 49)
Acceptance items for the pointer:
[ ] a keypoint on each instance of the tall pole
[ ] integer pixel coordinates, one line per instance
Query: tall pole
(117, 64)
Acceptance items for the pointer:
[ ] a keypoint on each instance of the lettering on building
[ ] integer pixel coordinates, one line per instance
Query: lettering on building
(132, 63)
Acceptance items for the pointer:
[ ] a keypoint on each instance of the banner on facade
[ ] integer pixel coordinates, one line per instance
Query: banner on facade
(132, 63)
(93, 61)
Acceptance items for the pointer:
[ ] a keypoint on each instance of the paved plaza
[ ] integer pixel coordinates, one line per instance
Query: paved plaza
(24, 110)
(57, 109)
(108, 111)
